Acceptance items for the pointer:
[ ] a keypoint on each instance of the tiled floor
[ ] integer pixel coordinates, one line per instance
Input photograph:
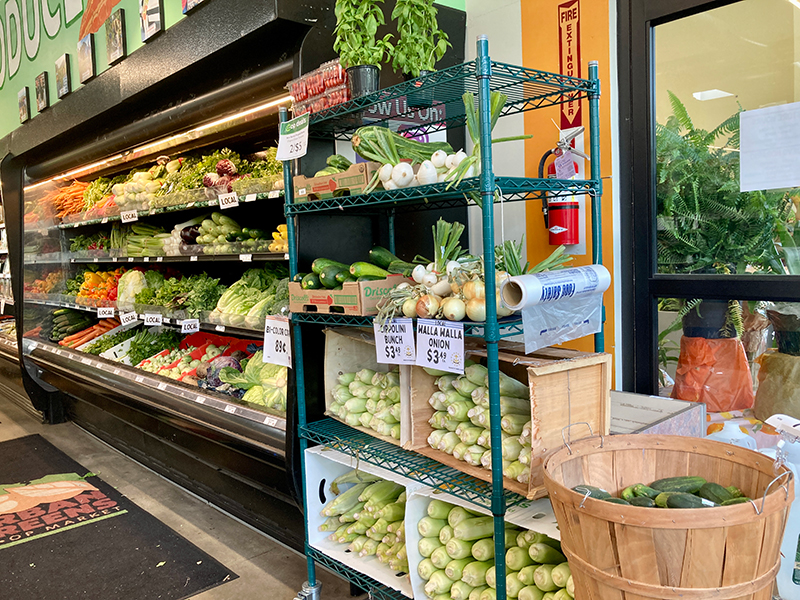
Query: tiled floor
(265, 568)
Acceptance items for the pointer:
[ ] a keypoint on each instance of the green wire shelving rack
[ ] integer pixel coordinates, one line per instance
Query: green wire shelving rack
(527, 89)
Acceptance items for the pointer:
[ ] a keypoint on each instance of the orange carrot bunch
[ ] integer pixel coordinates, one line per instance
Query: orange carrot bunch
(67, 200)
(88, 334)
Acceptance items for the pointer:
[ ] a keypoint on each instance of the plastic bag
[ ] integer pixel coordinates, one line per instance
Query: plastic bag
(714, 372)
(778, 385)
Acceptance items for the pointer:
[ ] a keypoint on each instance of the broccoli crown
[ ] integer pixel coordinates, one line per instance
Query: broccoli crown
(280, 301)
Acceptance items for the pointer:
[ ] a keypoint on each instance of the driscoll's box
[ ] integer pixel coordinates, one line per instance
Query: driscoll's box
(357, 298)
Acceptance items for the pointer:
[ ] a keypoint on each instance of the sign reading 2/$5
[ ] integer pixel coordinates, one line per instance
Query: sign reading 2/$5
(23, 24)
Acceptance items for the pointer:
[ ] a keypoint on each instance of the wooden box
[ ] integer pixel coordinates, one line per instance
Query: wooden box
(348, 350)
(357, 298)
(566, 387)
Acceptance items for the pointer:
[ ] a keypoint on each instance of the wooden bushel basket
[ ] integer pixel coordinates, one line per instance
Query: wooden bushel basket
(619, 552)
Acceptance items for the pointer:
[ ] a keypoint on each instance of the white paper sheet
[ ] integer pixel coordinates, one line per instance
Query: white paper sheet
(769, 156)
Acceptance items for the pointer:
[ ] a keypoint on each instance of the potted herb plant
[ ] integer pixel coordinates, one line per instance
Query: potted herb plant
(420, 44)
(357, 23)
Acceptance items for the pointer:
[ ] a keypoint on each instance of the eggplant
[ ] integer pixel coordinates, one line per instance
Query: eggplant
(190, 234)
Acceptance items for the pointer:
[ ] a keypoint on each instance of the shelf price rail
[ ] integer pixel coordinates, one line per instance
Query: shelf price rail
(527, 89)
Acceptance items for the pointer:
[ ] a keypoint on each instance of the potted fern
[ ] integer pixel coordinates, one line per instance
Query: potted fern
(360, 52)
(419, 46)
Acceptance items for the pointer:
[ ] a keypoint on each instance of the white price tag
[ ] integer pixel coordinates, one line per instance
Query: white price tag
(129, 216)
(274, 194)
(151, 319)
(104, 220)
(230, 408)
(213, 202)
(105, 312)
(130, 259)
(159, 259)
(394, 345)
(146, 259)
(293, 140)
(271, 421)
(127, 318)
(250, 197)
(230, 200)
(193, 258)
(190, 326)
(440, 345)
(86, 361)
(162, 386)
(246, 257)
(200, 400)
(139, 379)
(94, 259)
(116, 371)
(277, 341)
(220, 327)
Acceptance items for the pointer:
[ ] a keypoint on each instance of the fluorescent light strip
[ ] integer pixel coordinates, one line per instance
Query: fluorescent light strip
(163, 143)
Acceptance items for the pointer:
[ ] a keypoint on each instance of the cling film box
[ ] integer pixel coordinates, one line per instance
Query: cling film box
(351, 182)
(356, 298)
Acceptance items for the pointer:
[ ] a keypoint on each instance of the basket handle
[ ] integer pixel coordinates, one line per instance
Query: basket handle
(565, 430)
(769, 485)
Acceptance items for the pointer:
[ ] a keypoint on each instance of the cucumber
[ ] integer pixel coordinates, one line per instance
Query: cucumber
(328, 276)
(661, 499)
(381, 257)
(643, 490)
(311, 282)
(594, 492)
(299, 277)
(642, 501)
(616, 501)
(339, 162)
(714, 492)
(360, 269)
(684, 500)
(739, 500)
(627, 494)
(321, 263)
(687, 484)
(734, 491)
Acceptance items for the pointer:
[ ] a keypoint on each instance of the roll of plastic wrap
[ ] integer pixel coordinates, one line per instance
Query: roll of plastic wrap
(530, 290)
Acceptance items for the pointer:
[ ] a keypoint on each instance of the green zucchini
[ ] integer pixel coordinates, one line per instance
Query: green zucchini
(661, 499)
(616, 501)
(343, 276)
(714, 492)
(328, 276)
(382, 257)
(687, 484)
(643, 490)
(327, 171)
(369, 278)
(339, 162)
(299, 277)
(321, 263)
(627, 494)
(645, 501)
(401, 267)
(684, 500)
(594, 492)
(360, 269)
(311, 282)
(739, 500)
(734, 491)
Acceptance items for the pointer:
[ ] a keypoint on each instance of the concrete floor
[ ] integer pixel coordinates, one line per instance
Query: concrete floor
(266, 569)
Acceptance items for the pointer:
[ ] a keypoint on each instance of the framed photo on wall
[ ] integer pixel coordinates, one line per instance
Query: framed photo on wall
(86, 62)
(151, 18)
(42, 92)
(115, 36)
(187, 5)
(24, 105)
(63, 81)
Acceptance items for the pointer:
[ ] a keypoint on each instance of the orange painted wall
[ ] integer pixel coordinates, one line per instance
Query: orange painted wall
(540, 51)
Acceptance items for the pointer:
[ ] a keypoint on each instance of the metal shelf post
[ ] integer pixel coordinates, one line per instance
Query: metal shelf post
(597, 195)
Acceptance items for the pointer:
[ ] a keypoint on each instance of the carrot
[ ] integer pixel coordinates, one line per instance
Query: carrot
(81, 341)
(78, 335)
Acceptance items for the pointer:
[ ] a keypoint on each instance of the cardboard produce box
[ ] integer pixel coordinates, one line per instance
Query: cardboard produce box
(347, 183)
(357, 298)
(566, 387)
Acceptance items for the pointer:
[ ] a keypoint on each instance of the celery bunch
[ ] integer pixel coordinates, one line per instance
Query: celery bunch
(369, 399)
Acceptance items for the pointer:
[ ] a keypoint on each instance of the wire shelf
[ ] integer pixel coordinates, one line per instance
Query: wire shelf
(377, 590)
(363, 446)
(437, 196)
(509, 326)
(442, 91)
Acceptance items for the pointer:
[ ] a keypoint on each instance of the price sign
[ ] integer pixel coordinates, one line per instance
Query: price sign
(162, 386)
(95, 260)
(151, 319)
(139, 379)
(193, 258)
(190, 326)
(127, 318)
(293, 141)
(277, 341)
(220, 328)
(394, 344)
(440, 345)
(250, 197)
(129, 216)
(228, 200)
(86, 361)
(159, 259)
(130, 259)
(274, 194)
(146, 259)
(230, 408)
(246, 257)
(105, 312)
(104, 220)
(271, 421)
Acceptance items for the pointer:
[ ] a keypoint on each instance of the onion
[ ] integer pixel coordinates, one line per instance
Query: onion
(454, 309)
(430, 279)
(502, 309)
(441, 287)
(418, 273)
(431, 267)
(410, 308)
(402, 175)
(403, 286)
(460, 156)
(455, 287)
(439, 158)
(389, 185)
(385, 172)
(450, 162)
(428, 306)
(474, 289)
(476, 310)
(441, 177)
(426, 174)
(452, 264)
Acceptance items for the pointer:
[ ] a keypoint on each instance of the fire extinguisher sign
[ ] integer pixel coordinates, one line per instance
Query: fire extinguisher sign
(569, 57)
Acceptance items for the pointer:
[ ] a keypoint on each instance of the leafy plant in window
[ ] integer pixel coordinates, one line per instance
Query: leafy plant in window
(421, 43)
(357, 23)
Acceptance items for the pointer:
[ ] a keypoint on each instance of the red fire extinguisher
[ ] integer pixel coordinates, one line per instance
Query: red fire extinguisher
(561, 213)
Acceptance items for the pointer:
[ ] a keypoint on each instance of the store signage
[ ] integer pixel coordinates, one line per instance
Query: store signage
(105, 312)
(228, 200)
(394, 342)
(293, 140)
(128, 318)
(151, 319)
(129, 216)
(569, 57)
(190, 326)
(277, 341)
(440, 345)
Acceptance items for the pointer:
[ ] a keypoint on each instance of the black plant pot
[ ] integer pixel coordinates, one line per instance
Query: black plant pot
(787, 332)
(706, 320)
(421, 98)
(362, 80)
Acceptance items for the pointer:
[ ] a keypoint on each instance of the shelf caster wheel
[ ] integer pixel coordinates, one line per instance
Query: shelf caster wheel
(310, 592)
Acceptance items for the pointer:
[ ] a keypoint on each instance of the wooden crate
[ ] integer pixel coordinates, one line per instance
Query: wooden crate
(348, 350)
(566, 387)
(619, 552)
